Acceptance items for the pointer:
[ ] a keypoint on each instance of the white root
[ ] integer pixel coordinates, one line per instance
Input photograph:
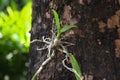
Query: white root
(70, 69)
(49, 44)
(43, 64)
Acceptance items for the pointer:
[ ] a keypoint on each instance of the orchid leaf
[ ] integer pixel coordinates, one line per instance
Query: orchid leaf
(75, 67)
(67, 27)
(57, 21)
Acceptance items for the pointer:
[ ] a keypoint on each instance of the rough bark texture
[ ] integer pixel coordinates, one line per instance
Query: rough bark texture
(96, 38)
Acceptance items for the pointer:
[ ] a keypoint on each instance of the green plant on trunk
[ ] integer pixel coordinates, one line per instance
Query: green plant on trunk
(53, 45)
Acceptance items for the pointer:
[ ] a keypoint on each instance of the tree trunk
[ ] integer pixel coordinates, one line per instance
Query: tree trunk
(96, 38)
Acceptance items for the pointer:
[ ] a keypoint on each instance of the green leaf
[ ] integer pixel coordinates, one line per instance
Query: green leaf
(10, 11)
(67, 27)
(75, 67)
(57, 21)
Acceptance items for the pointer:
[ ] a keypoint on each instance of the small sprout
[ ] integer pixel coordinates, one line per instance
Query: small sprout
(51, 44)
(59, 29)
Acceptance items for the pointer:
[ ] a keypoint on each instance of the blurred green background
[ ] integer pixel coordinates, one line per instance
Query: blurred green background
(15, 24)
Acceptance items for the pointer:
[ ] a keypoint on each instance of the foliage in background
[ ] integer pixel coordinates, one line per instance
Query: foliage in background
(14, 28)
(15, 4)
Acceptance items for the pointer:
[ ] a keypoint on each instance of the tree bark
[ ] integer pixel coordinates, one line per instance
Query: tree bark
(96, 38)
